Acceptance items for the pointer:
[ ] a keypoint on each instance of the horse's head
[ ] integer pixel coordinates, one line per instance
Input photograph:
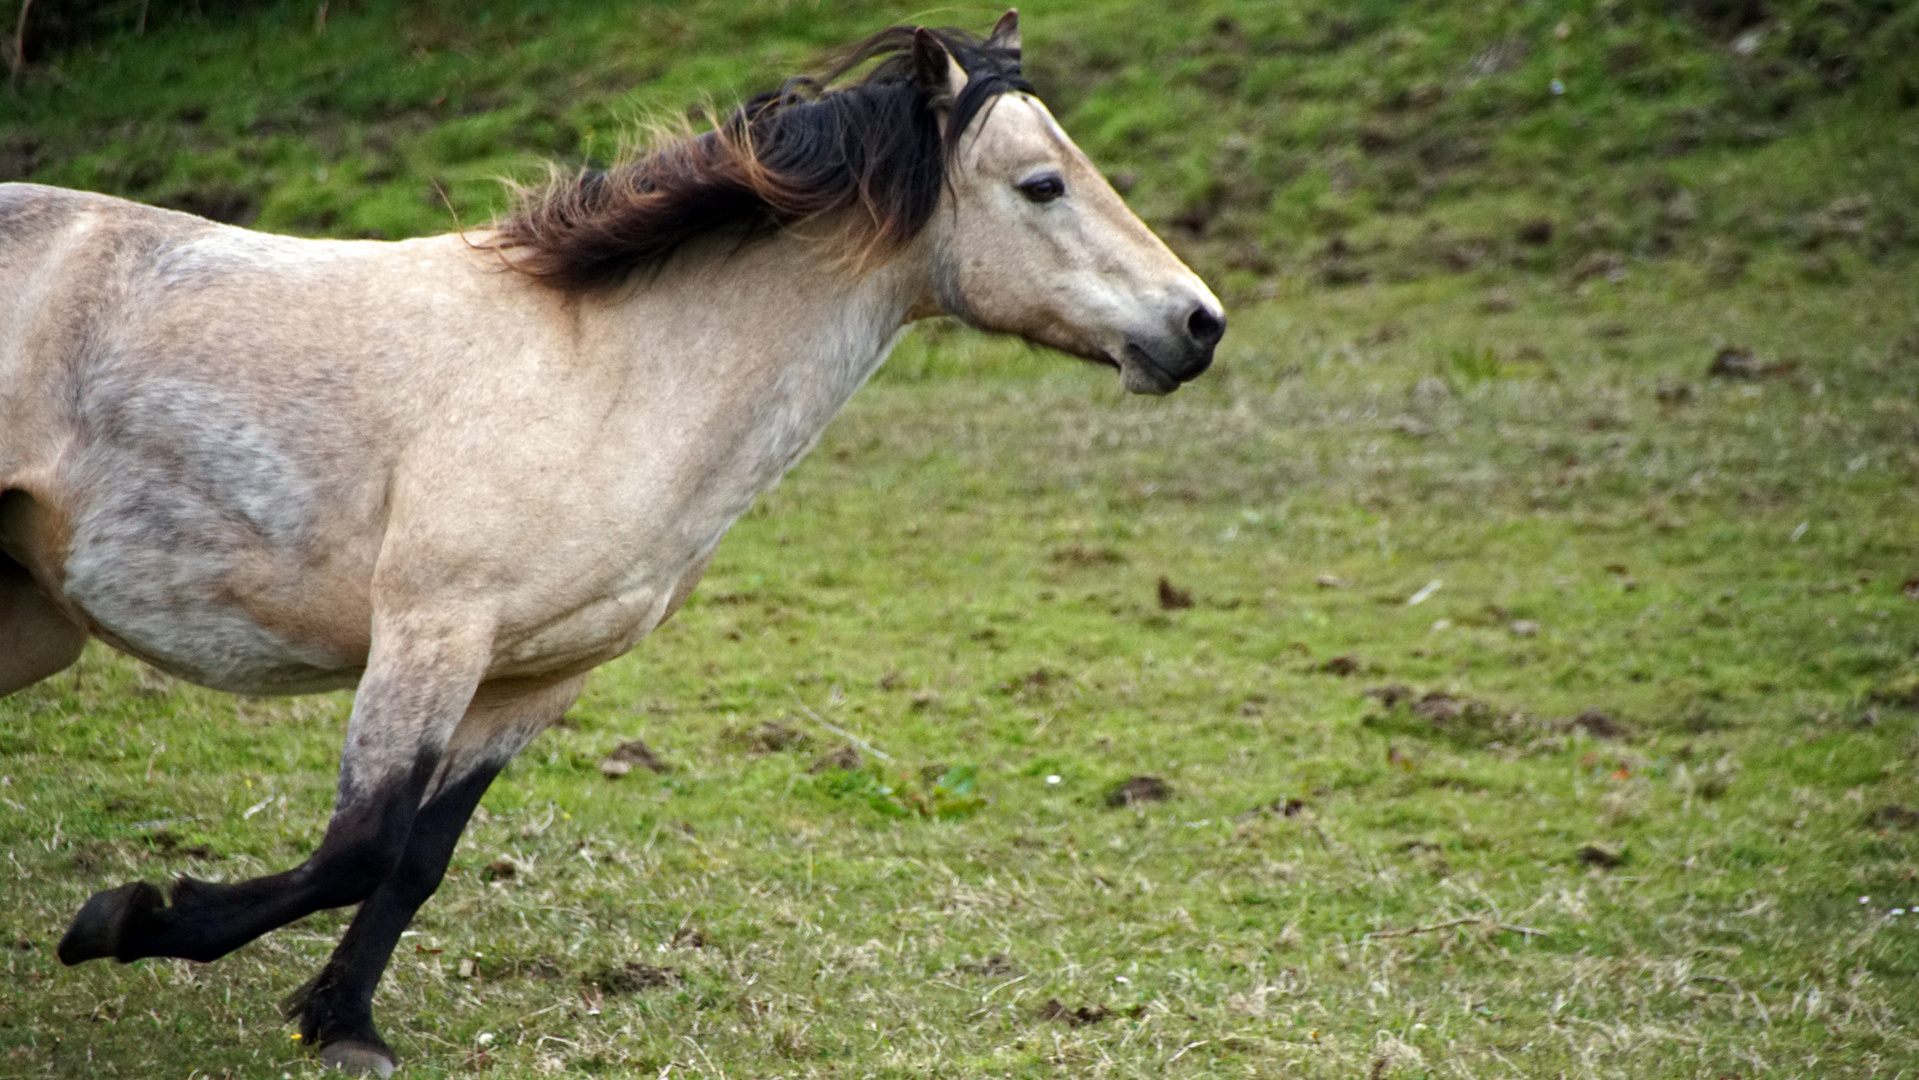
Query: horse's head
(941, 147)
(1030, 239)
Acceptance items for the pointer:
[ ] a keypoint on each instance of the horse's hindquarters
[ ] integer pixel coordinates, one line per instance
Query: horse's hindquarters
(36, 638)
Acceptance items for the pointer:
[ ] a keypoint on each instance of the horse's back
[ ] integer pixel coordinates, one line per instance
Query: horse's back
(62, 255)
(35, 224)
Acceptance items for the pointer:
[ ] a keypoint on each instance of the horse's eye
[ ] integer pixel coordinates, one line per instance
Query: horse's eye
(1043, 189)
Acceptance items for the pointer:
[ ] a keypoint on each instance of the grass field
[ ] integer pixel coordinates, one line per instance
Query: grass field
(1526, 698)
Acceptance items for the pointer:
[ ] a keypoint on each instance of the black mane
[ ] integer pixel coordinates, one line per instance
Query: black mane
(791, 154)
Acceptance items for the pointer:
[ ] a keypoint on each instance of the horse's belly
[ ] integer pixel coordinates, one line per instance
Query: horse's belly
(182, 611)
(217, 536)
(202, 590)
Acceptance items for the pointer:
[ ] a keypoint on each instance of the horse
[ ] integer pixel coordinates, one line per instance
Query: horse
(459, 472)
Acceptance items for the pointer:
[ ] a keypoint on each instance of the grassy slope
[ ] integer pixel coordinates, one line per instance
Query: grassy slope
(965, 574)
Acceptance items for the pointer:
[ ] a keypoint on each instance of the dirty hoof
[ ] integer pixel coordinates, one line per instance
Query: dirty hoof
(359, 1058)
(101, 928)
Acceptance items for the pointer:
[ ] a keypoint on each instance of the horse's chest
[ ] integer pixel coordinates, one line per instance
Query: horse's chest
(607, 621)
(678, 514)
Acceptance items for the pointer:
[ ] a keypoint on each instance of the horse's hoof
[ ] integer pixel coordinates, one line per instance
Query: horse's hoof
(100, 929)
(359, 1058)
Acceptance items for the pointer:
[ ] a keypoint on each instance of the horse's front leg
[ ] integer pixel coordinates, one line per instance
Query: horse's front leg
(420, 677)
(335, 1008)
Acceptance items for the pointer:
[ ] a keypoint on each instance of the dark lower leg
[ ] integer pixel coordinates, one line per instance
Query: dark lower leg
(205, 921)
(335, 1009)
(337, 1005)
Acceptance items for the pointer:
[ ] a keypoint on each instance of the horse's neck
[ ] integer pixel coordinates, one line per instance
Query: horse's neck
(760, 349)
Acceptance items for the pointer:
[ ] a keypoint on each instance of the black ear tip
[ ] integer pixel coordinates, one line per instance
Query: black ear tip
(1005, 32)
(930, 57)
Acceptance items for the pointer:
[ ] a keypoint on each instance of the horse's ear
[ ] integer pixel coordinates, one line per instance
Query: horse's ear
(935, 69)
(1005, 33)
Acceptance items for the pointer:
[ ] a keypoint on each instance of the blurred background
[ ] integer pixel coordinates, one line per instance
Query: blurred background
(1279, 145)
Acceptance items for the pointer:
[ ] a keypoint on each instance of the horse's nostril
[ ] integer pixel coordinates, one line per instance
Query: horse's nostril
(1206, 327)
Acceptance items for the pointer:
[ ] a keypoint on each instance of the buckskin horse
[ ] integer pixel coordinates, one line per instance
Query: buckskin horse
(460, 472)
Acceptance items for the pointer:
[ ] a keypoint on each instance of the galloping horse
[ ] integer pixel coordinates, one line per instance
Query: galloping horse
(460, 472)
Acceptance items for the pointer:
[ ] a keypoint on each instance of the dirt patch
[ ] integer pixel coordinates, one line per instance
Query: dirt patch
(171, 847)
(772, 738)
(1277, 808)
(1610, 265)
(1600, 725)
(998, 965)
(1469, 720)
(537, 967)
(1392, 695)
(1600, 856)
(1041, 682)
(1537, 232)
(1139, 789)
(91, 857)
(628, 754)
(1081, 555)
(501, 869)
(1172, 597)
(1438, 707)
(1342, 665)
(1337, 264)
(844, 758)
(1081, 1017)
(1897, 697)
(1673, 392)
(631, 977)
(1887, 818)
(1733, 362)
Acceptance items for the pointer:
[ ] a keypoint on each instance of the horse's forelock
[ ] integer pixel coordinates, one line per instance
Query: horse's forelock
(783, 157)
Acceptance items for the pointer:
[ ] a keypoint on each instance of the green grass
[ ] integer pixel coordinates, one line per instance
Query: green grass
(966, 576)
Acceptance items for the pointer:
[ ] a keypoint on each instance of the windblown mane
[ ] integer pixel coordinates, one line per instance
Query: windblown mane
(804, 150)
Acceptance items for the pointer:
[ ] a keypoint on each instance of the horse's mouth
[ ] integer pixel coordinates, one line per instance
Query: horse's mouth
(1140, 374)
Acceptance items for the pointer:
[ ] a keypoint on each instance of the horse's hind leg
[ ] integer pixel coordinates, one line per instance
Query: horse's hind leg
(36, 638)
(335, 1008)
(420, 679)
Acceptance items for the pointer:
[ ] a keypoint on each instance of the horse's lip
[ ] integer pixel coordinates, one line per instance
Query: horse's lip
(1140, 374)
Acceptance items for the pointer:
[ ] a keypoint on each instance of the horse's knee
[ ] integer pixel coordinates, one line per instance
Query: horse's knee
(347, 870)
(366, 843)
(36, 638)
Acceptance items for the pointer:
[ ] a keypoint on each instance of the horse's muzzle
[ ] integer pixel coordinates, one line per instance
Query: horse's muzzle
(1159, 367)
